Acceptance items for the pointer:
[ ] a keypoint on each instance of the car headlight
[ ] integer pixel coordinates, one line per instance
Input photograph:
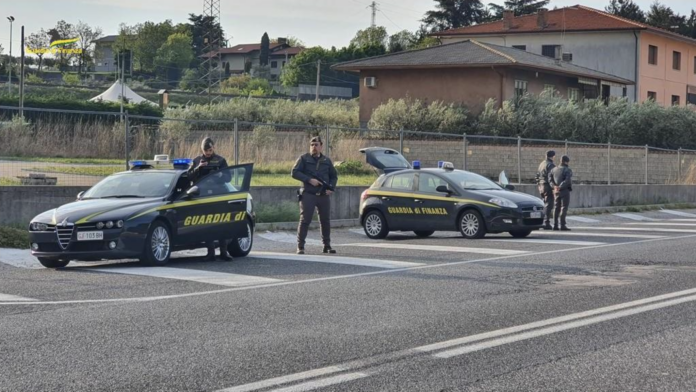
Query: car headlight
(499, 201)
(100, 225)
(37, 226)
(109, 224)
(119, 224)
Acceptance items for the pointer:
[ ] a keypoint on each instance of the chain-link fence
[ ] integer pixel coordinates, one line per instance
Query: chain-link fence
(61, 147)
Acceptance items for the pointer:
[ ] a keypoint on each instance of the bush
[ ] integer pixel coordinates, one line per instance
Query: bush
(13, 238)
(33, 79)
(416, 115)
(262, 135)
(352, 167)
(191, 80)
(71, 79)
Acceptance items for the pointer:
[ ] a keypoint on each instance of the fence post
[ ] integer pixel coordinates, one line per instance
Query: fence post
(466, 150)
(519, 160)
(566, 147)
(127, 135)
(401, 141)
(679, 163)
(609, 163)
(646, 164)
(328, 138)
(236, 142)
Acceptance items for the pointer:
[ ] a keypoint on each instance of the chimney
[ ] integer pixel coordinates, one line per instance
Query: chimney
(541, 18)
(282, 41)
(508, 16)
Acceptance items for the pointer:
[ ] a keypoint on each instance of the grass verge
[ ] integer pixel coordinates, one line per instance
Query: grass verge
(286, 211)
(11, 237)
(100, 171)
(83, 161)
(6, 181)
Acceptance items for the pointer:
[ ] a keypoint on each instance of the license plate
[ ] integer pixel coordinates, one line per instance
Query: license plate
(535, 215)
(90, 235)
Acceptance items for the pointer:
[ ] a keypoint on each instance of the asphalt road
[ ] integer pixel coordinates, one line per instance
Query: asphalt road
(610, 306)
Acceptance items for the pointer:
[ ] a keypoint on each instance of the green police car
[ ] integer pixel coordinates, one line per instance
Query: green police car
(408, 198)
(147, 213)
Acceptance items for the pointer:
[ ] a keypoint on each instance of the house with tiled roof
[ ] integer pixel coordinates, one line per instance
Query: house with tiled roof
(469, 73)
(662, 64)
(246, 56)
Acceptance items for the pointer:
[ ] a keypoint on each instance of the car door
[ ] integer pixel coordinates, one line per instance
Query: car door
(397, 199)
(218, 210)
(435, 210)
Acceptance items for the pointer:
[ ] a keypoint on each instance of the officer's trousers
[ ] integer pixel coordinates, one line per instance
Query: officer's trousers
(547, 196)
(562, 203)
(309, 203)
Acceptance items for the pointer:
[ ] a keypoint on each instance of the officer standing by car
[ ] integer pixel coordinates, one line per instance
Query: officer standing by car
(545, 190)
(203, 165)
(561, 181)
(317, 173)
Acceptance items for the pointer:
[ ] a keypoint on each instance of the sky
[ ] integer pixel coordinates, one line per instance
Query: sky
(316, 22)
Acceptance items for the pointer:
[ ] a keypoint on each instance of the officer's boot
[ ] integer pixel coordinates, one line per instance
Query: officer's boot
(224, 256)
(329, 249)
(564, 228)
(555, 226)
(211, 254)
(548, 226)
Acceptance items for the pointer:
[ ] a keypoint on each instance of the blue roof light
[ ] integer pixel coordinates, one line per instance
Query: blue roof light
(439, 164)
(416, 165)
(138, 163)
(182, 162)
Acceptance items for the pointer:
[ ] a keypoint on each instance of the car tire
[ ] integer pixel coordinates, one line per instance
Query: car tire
(520, 233)
(471, 225)
(240, 247)
(158, 245)
(53, 263)
(375, 225)
(424, 234)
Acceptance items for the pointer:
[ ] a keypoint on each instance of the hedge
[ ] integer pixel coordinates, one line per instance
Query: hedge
(142, 109)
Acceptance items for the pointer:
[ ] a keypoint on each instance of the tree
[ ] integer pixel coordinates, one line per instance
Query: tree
(63, 30)
(265, 50)
(191, 81)
(371, 36)
(151, 36)
(519, 7)
(663, 17)
(626, 9)
(302, 69)
(403, 40)
(87, 37)
(174, 56)
(38, 40)
(124, 45)
(200, 26)
(451, 14)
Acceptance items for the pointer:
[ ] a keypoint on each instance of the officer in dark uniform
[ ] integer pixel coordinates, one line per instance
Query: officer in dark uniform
(203, 165)
(561, 179)
(311, 169)
(545, 189)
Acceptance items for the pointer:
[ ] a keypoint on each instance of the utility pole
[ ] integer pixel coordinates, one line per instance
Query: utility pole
(9, 61)
(21, 80)
(374, 14)
(123, 77)
(318, 78)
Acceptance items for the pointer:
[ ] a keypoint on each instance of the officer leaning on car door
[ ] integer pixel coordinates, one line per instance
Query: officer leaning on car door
(312, 169)
(561, 179)
(545, 189)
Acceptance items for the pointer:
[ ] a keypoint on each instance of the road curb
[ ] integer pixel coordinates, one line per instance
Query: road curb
(337, 223)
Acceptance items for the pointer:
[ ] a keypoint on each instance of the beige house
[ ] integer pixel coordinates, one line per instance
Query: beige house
(247, 56)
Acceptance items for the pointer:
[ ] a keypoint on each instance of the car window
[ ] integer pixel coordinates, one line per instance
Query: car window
(223, 182)
(403, 182)
(471, 181)
(428, 183)
(133, 184)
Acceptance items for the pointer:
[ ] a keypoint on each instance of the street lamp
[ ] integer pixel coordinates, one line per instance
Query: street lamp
(9, 78)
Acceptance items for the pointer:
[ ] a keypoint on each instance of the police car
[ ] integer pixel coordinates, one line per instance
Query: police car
(147, 213)
(408, 198)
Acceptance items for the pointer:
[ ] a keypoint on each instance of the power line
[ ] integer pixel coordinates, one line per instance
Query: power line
(389, 19)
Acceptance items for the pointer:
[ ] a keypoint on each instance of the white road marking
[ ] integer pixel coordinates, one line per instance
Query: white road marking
(582, 219)
(284, 379)
(556, 320)
(633, 217)
(217, 278)
(663, 224)
(330, 259)
(562, 327)
(434, 248)
(584, 234)
(341, 277)
(650, 229)
(14, 298)
(362, 232)
(286, 238)
(323, 383)
(681, 220)
(679, 213)
(542, 241)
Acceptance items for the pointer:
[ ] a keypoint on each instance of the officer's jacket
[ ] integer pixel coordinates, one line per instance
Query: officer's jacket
(544, 170)
(308, 167)
(215, 163)
(562, 177)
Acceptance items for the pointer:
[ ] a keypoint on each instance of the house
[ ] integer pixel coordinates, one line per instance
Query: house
(470, 73)
(104, 59)
(662, 64)
(244, 57)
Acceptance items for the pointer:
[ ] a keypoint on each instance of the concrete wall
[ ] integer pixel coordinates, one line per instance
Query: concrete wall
(21, 204)
(610, 52)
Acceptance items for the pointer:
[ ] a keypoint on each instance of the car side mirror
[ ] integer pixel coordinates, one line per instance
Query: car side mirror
(510, 187)
(444, 189)
(194, 191)
(79, 195)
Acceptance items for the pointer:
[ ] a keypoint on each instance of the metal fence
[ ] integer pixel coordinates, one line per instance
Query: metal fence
(61, 147)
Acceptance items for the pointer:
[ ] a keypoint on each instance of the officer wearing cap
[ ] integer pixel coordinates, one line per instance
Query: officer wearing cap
(561, 179)
(311, 169)
(545, 190)
(203, 165)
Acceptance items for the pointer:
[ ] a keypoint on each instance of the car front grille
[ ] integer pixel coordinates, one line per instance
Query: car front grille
(63, 233)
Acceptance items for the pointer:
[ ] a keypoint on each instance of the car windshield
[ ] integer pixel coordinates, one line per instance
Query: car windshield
(471, 181)
(132, 185)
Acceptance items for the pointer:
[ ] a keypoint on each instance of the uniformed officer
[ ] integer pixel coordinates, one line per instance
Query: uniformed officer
(311, 169)
(545, 190)
(203, 165)
(561, 179)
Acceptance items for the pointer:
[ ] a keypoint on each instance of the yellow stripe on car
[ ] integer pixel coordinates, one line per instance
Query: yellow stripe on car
(191, 203)
(428, 197)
